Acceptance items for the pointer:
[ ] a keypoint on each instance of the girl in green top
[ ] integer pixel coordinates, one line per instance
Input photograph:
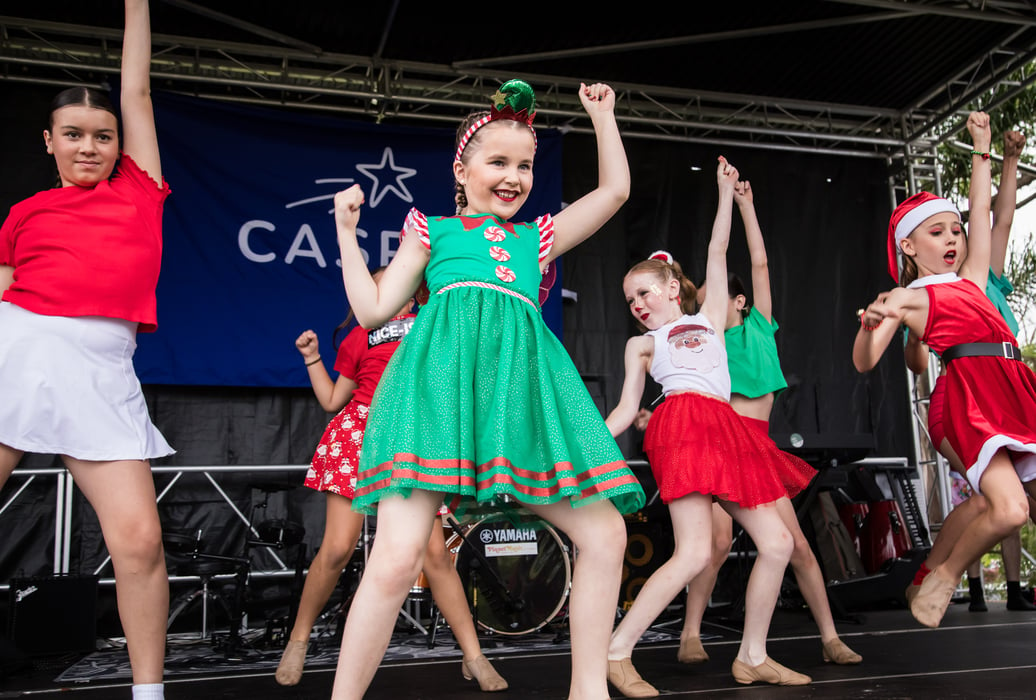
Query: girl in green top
(481, 401)
(756, 379)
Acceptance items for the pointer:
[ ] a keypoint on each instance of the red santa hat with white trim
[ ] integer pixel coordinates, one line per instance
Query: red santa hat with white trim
(910, 214)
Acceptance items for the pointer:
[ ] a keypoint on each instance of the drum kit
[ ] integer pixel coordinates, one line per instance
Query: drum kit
(516, 571)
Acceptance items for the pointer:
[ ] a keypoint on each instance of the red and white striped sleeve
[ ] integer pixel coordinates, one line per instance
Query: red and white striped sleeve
(418, 223)
(545, 224)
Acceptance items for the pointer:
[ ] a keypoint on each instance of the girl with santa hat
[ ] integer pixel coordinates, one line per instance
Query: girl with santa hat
(989, 394)
(967, 504)
(699, 449)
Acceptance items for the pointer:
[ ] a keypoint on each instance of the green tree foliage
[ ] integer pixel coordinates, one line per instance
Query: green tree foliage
(1014, 109)
(1021, 270)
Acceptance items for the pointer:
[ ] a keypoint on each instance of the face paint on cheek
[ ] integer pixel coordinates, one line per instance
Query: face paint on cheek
(655, 290)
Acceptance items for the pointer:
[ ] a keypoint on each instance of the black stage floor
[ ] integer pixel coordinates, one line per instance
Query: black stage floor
(973, 655)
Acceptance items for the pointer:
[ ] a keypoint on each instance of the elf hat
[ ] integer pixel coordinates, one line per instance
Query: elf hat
(910, 214)
(513, 100)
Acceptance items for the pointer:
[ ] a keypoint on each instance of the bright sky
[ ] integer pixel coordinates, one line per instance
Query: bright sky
(1024, 225)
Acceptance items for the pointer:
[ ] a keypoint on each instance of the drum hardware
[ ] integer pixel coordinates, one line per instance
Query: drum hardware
(207, 566)
(279, 534)
(522, 571)
(271, 533)
(516, 578)
(498, 594)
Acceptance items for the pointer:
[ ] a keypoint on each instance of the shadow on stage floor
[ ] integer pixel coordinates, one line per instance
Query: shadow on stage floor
(972, 655)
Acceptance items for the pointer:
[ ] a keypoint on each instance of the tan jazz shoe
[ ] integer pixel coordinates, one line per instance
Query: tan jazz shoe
(691, 651)
(932, 599)
(627, 681)
(289, 670)
(769, 671)
(479, 668)
(911, 592)
(837, 652)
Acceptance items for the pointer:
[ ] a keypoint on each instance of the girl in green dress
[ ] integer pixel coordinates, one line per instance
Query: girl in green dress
(480, 403)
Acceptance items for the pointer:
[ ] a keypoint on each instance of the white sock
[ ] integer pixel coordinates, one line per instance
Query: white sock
(149, 691)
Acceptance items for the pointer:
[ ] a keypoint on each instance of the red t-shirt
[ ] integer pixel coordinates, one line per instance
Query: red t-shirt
(88, 251)
(363, 354)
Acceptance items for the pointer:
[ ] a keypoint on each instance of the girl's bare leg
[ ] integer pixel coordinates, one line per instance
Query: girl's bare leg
(123, 495)
(774, 545)
(404, 526)
(953, 525)
(342, 529)
(598, 534)
(811, 584)
(700, 588)
(9, 458)
(448, 593)
(341, 532)
(1007, 512)
(807, 573)
(958, 519)
(692, 523)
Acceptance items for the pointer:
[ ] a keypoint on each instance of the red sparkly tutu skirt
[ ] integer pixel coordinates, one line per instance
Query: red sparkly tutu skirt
(699, 444)
(793, 472)
(337, 457)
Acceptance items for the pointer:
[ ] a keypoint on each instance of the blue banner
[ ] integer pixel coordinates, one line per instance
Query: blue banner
(250, 256)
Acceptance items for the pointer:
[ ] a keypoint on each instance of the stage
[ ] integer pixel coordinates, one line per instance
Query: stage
(972, 655)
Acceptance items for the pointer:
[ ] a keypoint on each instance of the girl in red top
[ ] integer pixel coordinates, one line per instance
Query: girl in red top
(361, 359)
(78, 269)
(989, 393)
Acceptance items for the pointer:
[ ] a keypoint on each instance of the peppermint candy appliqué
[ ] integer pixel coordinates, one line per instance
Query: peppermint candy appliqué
(505, 274)
(499, 254)
(495, 234)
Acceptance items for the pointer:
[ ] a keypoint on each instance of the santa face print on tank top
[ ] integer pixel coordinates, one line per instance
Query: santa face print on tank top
(694, 347)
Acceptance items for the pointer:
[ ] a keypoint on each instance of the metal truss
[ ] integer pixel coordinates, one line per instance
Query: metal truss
(290, 73)
(992, 78)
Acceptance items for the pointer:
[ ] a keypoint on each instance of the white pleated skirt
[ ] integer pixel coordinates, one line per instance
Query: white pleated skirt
(68, 387)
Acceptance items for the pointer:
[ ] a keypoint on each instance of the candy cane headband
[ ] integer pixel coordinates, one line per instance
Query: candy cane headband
(514, 100)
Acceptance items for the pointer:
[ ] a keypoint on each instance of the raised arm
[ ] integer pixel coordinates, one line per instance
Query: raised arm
(762, 301)
(715, 305)
(332, 394)
(583, 217)
(976, 265)
(1006, 196)
(139, 139)
(374, 303)
(639, 350)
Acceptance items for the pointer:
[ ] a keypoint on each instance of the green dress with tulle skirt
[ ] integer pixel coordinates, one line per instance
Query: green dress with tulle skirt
(481, 401)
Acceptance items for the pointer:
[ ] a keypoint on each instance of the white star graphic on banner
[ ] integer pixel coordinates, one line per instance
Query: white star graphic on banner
(379, 190)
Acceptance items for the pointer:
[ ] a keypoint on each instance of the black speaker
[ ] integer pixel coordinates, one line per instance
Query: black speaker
(53, 614)
(649, 544)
